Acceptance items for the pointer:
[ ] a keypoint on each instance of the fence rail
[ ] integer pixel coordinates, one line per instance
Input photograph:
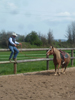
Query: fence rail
(39, 59)
(37, 49)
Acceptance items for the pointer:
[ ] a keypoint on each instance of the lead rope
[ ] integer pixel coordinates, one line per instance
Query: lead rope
(25, 54)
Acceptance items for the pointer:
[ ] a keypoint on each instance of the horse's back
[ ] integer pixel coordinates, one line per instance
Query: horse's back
(68, 59)
(68, 55)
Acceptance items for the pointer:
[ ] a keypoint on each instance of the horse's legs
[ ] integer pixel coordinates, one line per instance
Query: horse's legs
(55, 70)
(62, 70)
(58, 68)
(65, 68)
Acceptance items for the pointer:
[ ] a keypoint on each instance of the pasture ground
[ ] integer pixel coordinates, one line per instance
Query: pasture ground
(38, 86)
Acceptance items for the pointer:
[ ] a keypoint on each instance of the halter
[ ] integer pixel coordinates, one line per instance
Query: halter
(50, 49)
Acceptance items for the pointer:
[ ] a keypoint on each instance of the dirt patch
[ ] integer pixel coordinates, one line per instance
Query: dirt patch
(38, 86)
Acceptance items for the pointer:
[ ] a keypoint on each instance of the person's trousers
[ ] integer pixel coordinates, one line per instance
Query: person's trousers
(14, 51)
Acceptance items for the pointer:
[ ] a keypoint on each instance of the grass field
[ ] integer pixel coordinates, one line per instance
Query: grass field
(6, 69)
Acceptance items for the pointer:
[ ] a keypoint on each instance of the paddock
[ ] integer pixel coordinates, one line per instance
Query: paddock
(38, 86)
(37, 59)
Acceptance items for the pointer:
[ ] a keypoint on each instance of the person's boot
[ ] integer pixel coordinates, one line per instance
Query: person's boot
(9, 59)
(14, 59)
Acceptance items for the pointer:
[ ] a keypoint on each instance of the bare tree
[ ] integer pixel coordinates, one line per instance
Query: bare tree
(4, 38)
(44, 40)
(71, 33)
(50, 37)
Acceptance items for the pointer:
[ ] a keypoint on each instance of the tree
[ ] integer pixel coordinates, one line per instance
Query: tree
(44, 40)
(33, 38)
(50, 37)
(4, 38)
(71, 33)
(21, 38)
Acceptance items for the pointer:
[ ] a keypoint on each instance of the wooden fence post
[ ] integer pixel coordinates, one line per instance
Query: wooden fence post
(15, 68)
(72, 56)
(47, 63)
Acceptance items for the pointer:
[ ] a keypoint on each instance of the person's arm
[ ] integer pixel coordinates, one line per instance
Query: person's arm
(17, 42)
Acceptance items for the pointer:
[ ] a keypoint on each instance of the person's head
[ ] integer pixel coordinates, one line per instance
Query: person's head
(14, 35)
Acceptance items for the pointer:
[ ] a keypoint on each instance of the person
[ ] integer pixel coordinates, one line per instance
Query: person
(12, 43)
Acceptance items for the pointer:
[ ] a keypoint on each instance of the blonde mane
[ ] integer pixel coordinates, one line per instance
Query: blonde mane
(57, 53)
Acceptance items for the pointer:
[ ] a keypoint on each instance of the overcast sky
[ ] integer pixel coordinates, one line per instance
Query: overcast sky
(24, 16)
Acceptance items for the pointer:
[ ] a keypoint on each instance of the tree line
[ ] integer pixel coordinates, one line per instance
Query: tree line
(33, 38)
(40, 40)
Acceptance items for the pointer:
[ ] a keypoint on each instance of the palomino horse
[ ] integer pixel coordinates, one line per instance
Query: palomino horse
(58, 59)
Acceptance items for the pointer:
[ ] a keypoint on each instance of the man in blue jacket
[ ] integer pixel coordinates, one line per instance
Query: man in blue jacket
(12, 43)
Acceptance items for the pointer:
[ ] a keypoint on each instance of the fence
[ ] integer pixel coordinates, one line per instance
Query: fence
(39, 59)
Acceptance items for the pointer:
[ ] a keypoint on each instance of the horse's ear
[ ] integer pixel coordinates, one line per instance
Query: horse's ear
(51, 47)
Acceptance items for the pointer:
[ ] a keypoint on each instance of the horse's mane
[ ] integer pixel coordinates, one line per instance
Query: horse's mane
(57, 53)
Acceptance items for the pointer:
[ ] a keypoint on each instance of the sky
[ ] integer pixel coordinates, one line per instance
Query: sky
(24, 16)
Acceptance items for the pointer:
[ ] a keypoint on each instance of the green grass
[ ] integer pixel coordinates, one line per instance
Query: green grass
(6, 69)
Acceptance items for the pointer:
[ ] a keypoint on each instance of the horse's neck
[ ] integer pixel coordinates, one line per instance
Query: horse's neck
(56, 54)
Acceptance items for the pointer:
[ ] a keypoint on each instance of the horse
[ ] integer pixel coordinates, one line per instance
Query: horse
(57, 59)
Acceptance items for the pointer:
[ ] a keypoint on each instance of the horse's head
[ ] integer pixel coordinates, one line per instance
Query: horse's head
(50, 51)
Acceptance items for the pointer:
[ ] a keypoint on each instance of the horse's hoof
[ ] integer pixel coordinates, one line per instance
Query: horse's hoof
(59, 74)
(55, 74)
(63, 72)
